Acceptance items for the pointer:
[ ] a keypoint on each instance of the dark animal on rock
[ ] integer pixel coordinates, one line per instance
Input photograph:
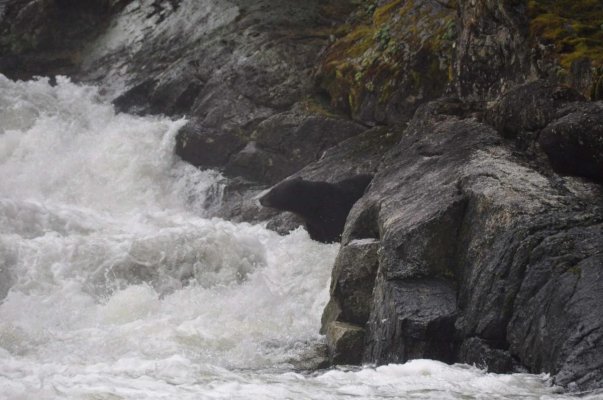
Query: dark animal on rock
(323, 206)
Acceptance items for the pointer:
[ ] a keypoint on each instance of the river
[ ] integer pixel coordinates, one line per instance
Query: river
(114, 284)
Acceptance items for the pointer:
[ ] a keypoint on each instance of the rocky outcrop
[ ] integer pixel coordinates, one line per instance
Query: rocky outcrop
(245, 81)
(241, 71)
(543, 118)
(472, 245)
(279, 146)
(525, 110)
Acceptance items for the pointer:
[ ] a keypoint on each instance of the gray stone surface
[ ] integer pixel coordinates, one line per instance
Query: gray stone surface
(352, 281)
(488, 244)
(345, 343)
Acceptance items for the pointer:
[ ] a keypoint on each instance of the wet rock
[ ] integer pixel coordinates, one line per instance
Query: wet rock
(523, 111)
(556, 324)
(243, 77)
(207, 148)
(411, 320)
(345, 343)
(352, 282)
(285, 143)
(359, 155)
(574, 143)
(473, 242)
(475, 351)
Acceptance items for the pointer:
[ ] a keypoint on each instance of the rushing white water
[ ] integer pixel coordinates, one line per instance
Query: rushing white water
(114, 286)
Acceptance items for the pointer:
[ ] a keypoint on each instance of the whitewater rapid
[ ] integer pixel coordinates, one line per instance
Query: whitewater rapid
(115, 284)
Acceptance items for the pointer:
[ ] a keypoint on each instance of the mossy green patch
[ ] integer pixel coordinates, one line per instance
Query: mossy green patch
(573, 27)
(379, 53)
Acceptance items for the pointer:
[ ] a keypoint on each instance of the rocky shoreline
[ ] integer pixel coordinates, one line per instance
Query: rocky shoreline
(480, 236)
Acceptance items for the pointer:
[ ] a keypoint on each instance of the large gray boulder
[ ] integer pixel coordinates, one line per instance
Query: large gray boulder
(474, 243)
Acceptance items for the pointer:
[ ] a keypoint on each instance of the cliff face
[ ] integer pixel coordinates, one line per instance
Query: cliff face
(480, 238)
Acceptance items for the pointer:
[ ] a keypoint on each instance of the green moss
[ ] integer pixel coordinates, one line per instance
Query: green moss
(315, 106)
(597, 90)
(573, 27)
(376, 53)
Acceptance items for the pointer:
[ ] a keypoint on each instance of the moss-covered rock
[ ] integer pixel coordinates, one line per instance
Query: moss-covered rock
(572, 33)
(573, 28)
(389, 58)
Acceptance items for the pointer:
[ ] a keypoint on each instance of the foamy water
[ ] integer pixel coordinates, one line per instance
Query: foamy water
(113, 284)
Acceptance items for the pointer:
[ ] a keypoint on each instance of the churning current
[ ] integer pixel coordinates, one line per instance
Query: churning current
(113, 284)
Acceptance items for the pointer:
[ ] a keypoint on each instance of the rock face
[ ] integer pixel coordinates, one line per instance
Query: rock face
(493, 47)
(542, 117)
(345, 343)
(244, 79)
(240, 70)
(473, 243)
(526, 109)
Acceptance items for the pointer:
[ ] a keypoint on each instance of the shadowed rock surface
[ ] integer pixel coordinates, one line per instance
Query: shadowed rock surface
(574, 143)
